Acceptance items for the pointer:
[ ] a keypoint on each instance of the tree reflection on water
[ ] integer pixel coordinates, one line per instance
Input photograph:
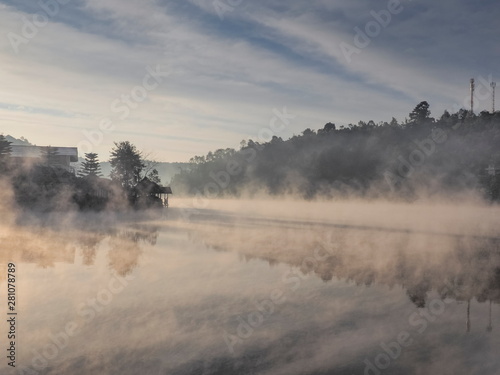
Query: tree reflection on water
(46, 246)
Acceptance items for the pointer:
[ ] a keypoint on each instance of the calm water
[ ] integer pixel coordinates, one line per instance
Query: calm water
(214, 291)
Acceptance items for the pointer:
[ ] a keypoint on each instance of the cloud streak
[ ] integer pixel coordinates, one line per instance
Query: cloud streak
(228, 73)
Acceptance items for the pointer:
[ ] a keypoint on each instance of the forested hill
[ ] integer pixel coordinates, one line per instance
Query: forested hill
(423, 155)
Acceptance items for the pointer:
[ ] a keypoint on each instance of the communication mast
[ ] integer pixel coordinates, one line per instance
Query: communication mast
(472, 88)
(493, 87)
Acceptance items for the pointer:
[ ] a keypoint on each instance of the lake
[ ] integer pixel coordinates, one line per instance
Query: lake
(256, 287)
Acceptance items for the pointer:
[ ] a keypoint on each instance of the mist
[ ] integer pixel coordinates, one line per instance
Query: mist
(249, 187)
(450, 158)
(351, 273)
(269, 259)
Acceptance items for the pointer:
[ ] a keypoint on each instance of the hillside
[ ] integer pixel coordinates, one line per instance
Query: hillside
(18, 142)
(422, 156)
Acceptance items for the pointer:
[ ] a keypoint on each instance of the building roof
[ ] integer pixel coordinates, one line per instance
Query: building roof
(21, 151)
(147, 187)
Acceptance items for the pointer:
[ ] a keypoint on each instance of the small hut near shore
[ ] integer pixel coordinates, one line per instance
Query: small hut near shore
(150, 194)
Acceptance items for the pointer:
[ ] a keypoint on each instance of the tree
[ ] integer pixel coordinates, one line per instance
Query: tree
(197, 160)
(91, 166)
(308, 132)
(154, 176)
(150, 168)
(420, 113)
(126, 163)
(462, 114)
(5, 151)
(445, 116)
(49, 155)
(329, 127)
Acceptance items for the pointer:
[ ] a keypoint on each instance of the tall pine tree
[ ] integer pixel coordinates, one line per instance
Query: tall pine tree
(91, 166)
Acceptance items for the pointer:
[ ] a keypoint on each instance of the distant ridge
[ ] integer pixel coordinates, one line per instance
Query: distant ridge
(19, 142)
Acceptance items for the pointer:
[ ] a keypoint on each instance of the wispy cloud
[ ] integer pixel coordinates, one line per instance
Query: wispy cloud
(228, 74)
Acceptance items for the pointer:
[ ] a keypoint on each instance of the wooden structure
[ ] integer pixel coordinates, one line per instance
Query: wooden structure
(150, 194)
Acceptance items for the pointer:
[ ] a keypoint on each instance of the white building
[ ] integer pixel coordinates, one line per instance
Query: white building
(29, 155)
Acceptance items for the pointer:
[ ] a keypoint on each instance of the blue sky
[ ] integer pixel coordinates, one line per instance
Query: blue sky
(226, 67)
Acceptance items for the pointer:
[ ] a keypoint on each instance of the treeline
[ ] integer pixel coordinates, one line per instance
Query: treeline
(422, 155)
(42, 184)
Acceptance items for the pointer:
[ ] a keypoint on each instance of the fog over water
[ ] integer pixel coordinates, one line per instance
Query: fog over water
(257, 286)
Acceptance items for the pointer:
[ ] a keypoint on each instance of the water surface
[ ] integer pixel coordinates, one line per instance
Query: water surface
(258, 288)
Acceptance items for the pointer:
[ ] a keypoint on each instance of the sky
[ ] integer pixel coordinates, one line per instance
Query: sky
(179, 78)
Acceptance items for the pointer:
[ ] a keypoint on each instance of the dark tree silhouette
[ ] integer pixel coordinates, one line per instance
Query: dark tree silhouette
(91, 166)
(420, 113)
(327, 128)
(126, 163)
(154, 176)
(438, 156)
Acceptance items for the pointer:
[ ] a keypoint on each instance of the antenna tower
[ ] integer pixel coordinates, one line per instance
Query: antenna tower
(493, 87)
(472, 88)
